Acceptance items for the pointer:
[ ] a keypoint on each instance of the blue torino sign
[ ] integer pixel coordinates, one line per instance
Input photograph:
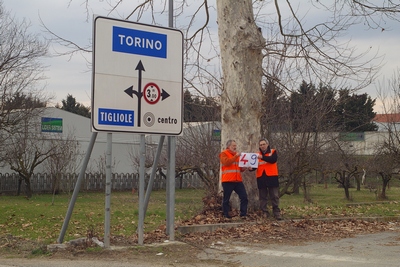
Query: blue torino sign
(139, 42)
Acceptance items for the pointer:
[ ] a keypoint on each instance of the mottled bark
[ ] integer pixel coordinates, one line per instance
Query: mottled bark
(241, 44)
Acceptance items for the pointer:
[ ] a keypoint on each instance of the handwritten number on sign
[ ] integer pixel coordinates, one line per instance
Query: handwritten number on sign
(248, 160)
(254, 159)
(243, 159)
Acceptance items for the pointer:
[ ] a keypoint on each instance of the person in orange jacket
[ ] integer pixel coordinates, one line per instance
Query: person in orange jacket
(231, 179)
(267, 179)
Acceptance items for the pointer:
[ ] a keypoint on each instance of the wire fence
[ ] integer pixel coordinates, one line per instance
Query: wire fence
(45, 183)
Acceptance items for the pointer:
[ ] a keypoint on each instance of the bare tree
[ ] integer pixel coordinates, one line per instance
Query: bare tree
(101, 164)
(63, 159)
(151, 148)
(389, 95)
(385, 166)
(386, 161)
(299, 126)
(347, 165)
(20, 68)
(197, 152)
(26, 149)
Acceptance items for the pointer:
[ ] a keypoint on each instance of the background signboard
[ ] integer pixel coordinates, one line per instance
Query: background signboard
(216, 135)
(353, 136)
(137, 78)
(51, 125)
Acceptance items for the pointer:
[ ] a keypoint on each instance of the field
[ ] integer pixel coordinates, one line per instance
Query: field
(331, 202)
(37, 219)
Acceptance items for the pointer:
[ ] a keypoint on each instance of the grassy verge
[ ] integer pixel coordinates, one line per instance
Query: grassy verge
(331, 202)
(37, 219)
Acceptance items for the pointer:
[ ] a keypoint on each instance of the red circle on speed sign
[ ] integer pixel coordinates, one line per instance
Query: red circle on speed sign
(151, 93)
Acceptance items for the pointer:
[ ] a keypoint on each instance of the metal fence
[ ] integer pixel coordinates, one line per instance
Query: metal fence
(43, 183)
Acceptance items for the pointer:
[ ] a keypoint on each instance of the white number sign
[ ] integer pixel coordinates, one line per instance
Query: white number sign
(248, 160)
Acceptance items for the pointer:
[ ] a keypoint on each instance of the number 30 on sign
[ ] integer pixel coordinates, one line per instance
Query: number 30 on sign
(248, 160)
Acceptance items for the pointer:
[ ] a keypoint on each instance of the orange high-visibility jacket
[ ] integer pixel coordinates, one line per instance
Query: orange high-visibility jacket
(230, 169)
(270, 169)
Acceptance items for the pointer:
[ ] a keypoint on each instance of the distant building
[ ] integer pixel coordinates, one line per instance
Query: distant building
(387, 121)
(56, 121)
(126, 146)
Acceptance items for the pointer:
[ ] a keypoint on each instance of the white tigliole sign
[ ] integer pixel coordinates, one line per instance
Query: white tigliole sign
(248, 160)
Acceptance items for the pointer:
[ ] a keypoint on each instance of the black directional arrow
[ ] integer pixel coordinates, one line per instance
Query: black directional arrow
(164, 95)
(138, 93)
(131, 92)
(139, 68)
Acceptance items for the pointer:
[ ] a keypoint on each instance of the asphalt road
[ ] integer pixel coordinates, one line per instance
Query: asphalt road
(381, 249)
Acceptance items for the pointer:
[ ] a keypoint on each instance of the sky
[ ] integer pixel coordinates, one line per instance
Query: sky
(72, 75)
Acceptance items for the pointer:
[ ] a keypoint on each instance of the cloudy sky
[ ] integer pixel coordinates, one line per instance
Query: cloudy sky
(68, 18)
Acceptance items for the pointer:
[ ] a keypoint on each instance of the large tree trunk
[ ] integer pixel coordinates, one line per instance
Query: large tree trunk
(241, 43)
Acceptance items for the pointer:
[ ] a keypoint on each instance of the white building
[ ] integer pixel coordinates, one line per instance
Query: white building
(387, 121)
(125, 146)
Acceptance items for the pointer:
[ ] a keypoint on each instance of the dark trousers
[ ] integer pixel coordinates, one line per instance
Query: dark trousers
(239, 188)
(273, 194)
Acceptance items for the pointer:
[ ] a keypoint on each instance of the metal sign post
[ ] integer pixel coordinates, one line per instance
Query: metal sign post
(107, 215)
(77, 188)
(138, 88)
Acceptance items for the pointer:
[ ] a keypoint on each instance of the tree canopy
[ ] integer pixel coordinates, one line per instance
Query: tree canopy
(355, 112)
(198, 109)
(70, 104)
(318, 109)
